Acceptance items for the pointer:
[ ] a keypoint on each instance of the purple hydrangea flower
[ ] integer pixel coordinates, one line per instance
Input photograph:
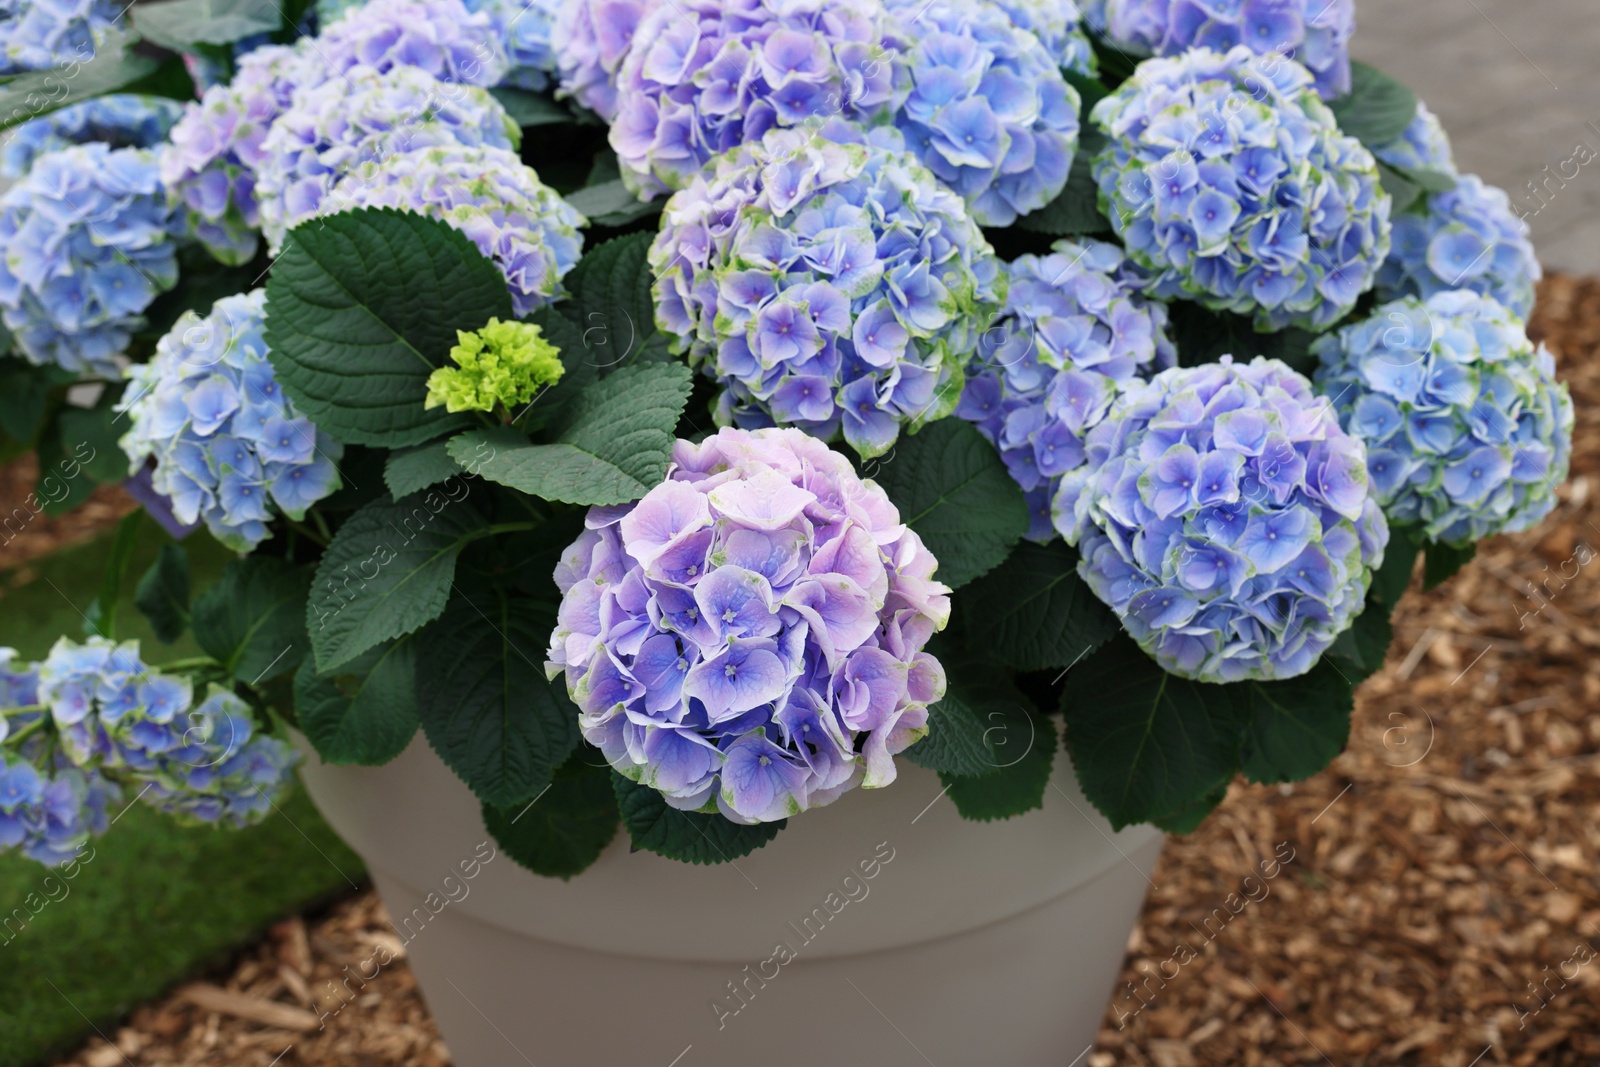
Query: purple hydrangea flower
(828, 281)
(748, 636)
(50, 816)
(228, 447)
(1422, 145)
(1467, 238)
(488, 194)
(89, 241)
(363, 116)
(710, 76)
(122, 120)
(522, 29)
(591, 38)
(1230, 184)
(1468, 432)
(40, 34)
(1059, 25)
(441, 37)
(1227, 519)
(219, 771)
(989, 112)
(1314, 32)
(1072, 334)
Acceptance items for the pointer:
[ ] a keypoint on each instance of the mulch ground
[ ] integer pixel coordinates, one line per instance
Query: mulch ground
(1432, 898)
(27, 533)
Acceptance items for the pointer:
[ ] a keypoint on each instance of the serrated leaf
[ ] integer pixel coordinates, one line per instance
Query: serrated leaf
(611, 301)
(952, 487)
(252, 620)
(1188, 818)
(386, 573)
(485, 704)
(531, 109)
(110, 67)
(364, 712)
(978, 694)
(1440, 563)
(612, 444)
(362, 307)
(1033, 612)
(564, 830)
(1146, 743)
(1294, 728)
(1358, 653)
(611, 203)
(163, 593)
(1025, 746)
(1377, 109)
(413, 469)
(182, 24)
(685, 836)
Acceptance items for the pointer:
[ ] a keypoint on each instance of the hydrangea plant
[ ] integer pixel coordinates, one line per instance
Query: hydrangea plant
(1230, 183)
(1467, 431)
(125, 120)
(827, 281)
(748, 637)
(1073, 333)
(1226, 518)
(227, 446)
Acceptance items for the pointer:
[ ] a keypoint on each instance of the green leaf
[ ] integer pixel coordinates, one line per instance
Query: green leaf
(563, 830)
(253, 620)
(531, 109)
(978, 695)
(611, 203)
(612, 444)
(1390, 581)
(485, 704)
(102, 618)
(1033, 612)
(1295, 727)
(26, 393)
(163, 593)
(387, 572)
(611, 301)
(1188, 818)
(686, 836)
(1146, 743)
(1359, 652)
(1441, 562)
(1401, 189)
(413, 469)
(182, 24)
(1025, 746)
(952, 487)
(1377, 109)
(96, 430)
(1076, 210)
(580, 368)
(364, 712)
(106, 69)
(1432, 181)
(362, 307)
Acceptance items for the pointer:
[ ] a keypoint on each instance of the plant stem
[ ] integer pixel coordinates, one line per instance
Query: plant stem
(193, 663)
(322, 525)
(307, 532)
(33, 727)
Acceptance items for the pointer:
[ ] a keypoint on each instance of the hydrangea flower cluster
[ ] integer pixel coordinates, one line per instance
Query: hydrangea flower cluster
(522, 29)
(227, 445)
(828, 281)
(38, 35)
(1072, 334)
(89, 242)
(1229, 181)
(504, 364)
(1422, 145)
(1468, 238)
(591, 38)
(708, 77)
(1468, 432)
(441, 37)
(220, 771)
(989, 112)
(487, 193)
(1059, 26)
(1227, 519)
(361, 117)
(123, 120)
(748, 636)
(1316, 33)
(49, 816)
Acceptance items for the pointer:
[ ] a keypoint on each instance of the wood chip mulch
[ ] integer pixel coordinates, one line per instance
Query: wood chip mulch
(1433, 898)
(27, 533)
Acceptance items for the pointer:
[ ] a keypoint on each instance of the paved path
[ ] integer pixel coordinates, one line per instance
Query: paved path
(1517, 84)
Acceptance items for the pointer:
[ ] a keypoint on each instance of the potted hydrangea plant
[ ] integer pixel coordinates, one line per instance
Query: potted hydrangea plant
(696, 469)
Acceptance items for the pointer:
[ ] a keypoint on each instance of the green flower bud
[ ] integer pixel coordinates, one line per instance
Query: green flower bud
(502, 363)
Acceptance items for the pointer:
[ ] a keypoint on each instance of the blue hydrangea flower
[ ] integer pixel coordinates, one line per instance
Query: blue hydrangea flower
(108, 708)
(360, 117)
(122, 120)
(708, 77)
(489, 195)
(1467, 238)
(1229, 182)
(40, 34)
(1072, 334)
(1059, 25)
(591, 38)
(220, 771)
(88, 238)
(1316, 33)
(1468, 432)
(1422, 145)
(828, 281)
(989, 112)
(1227, 520)
(523, 28)
(228, 446)
(443, 38)
(747, 638)
(50, 816)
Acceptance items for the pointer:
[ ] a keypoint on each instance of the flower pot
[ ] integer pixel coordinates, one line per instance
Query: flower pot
(883, 929)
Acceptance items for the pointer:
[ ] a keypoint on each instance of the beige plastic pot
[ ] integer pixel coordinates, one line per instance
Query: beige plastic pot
(883, 930)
